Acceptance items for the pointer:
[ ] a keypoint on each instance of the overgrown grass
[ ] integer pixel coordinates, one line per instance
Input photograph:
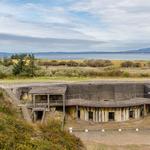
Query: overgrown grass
(81, 70)
(16, 134)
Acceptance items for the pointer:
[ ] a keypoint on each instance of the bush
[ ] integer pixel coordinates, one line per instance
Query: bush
(130, 64)
(72, 63)
(127, 64)
(98, 63)
(137, 64)
(2, 75)
(7, 62)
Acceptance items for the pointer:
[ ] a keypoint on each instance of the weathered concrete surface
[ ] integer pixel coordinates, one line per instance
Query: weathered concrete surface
(121, 91)
(91, 90)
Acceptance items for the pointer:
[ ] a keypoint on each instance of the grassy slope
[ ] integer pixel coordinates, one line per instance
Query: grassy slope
(15, 134)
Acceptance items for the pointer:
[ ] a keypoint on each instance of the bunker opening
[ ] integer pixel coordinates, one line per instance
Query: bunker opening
(39, 115)
(79, 114)
(111, 116)
(131, 114)
(90, 115)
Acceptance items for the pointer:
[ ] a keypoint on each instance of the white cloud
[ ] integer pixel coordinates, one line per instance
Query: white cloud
(120, 24)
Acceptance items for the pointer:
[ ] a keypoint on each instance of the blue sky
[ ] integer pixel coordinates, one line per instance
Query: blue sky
(74, 25)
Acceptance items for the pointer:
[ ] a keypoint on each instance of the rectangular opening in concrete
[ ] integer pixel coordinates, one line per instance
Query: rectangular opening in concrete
(131, 114)
(142, 111)
(39, 115)
(148, 109)
(111, 116)
(90, 115)
(79, 114)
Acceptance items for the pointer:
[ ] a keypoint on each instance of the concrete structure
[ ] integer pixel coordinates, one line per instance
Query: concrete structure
(97, 102)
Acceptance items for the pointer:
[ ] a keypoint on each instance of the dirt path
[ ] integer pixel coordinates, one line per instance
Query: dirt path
(116, 138)
(113, 139)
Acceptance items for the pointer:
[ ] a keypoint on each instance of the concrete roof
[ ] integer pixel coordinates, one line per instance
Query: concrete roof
(48, 90)
(125, 103)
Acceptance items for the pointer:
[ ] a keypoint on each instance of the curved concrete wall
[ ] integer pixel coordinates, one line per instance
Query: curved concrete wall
(102, 114)
(105, 91)
(98, 92)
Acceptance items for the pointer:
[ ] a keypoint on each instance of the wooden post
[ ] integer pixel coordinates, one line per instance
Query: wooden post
(145, 112)
(48, 101)
(33, 100)
(77, 108)
(64, 112)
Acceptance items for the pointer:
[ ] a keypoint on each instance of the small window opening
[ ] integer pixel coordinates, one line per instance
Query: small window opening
(90, 115)
(111, 116)
(79, 114)
(131, 114)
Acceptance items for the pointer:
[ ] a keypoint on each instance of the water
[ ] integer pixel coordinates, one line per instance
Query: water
(110, 56)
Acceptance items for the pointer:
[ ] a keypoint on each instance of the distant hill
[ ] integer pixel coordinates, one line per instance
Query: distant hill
(143, 50)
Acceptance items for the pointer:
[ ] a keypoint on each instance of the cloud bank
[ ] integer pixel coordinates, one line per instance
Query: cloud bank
(72, 25)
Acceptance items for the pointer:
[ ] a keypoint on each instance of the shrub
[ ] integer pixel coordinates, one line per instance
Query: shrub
(137, 64)
(127, 64)
(98, 63)
(2, 75)
(114, 73)
(72, 63)
(7, 62)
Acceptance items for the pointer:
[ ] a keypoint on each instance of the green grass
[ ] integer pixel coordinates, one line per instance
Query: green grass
(68, 79)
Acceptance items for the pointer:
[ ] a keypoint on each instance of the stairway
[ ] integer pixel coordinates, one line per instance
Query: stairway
(17, 102)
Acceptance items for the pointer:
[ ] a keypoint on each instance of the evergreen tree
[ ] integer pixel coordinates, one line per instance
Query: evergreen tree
(25, 65)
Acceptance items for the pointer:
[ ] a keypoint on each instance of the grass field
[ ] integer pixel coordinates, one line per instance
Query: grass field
(70, 79)
(73, 70)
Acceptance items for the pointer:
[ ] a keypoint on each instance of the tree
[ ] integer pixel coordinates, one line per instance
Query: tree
(25, 65)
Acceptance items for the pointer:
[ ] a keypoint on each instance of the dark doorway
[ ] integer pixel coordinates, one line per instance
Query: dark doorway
(39, 115)
(78, 114)
(131, 114)
(111, 116)
(90, 115)
(142, 111)
(148, 108)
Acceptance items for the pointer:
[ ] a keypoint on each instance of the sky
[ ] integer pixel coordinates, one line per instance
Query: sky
(74, 25)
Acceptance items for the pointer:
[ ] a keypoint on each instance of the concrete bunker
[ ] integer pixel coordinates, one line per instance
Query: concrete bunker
(92, 102)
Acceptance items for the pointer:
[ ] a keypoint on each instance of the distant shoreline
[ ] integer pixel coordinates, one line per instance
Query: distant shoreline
(87, 55)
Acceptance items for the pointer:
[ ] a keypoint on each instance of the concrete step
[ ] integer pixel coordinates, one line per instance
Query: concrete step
(23, 107)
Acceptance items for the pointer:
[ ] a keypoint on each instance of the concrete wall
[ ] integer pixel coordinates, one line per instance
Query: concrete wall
(102, 114)
(105, 91)
(93, 91)
(147, 91)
